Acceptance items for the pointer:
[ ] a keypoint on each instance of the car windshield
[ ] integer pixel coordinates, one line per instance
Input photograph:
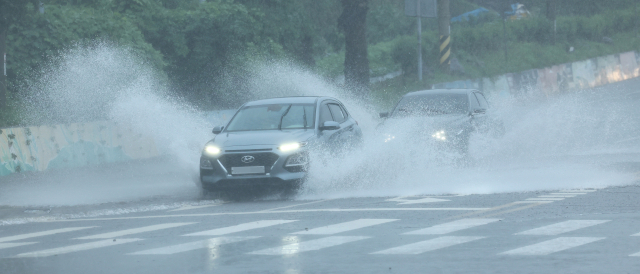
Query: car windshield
(273, 117)
(432, 104)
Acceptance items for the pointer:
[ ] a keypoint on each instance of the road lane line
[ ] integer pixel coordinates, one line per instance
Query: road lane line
(578, 190)
(568, 193)
(346, 226)
(637, 234)
(309, 245)
(562, 227)
(512, 210)
(41, 233)
(203, 244)
(533, 202)
(240, 227)
(75, 248)
(451, 226)
(545, 199)
(556, 196)
(116, 234)
(277, 212)
(402, 201)
(10, 245)
(314, 202)
(635, 254)
(191, 207)
(429, 245)
(552, 246)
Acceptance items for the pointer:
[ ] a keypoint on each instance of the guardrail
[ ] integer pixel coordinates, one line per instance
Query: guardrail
(557, 79)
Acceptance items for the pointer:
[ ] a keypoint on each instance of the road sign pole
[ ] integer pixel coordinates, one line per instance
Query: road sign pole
(419, 42)
(445, 31)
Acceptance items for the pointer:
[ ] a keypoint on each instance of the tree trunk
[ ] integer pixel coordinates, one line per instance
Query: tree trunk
(3, 78)
(356, 63)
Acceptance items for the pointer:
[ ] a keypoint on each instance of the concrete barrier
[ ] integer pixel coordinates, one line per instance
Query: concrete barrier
(558, 79)
(75, 145)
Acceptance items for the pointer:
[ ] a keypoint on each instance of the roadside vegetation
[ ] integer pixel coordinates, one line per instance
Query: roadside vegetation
(200, 47)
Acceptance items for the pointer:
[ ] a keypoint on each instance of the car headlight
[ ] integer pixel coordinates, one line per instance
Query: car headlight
(389, 138)
(440, 135)
(212, 150)
(289, 147)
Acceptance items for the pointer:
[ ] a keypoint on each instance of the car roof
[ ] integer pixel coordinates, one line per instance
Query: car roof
(439, 91)
(285, 100)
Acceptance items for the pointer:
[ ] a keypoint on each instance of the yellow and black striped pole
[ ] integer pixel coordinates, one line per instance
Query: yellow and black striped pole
(445, 51)
(444, 29)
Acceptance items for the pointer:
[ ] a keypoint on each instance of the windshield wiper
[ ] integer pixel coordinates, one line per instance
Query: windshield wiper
(282, 117)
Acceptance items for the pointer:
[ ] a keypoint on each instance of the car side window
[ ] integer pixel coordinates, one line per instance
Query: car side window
(481, 100)
(473, 102)
(325, 114)
(338, 114)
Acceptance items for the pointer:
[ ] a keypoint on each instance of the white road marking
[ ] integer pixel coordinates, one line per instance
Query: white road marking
(568, 193)
(116, 234)
(192, 207)
(346, 226)
(556, 196)
(10, 245)
(429, 245)
(452, 226)
(545, 199)
(552, 246)
(283, 207)
(279, 212)
(240, 227)
(635, 254)
(637, 234)
(75, 248)
(203, 244)
(533, 202)
(578, 190)
(403, 201)
(309, 245)
(41, 233)
(562, 227)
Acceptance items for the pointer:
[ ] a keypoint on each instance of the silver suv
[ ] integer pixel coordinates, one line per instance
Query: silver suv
(267, 142)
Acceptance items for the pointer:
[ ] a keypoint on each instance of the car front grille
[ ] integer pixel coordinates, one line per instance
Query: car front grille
(260, 159)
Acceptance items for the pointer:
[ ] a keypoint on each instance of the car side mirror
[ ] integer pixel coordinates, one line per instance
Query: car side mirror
(384, 114)
(330, 125)
(217, 129)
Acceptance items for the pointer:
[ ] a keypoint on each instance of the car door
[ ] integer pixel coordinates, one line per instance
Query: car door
(479, 108)
(347, 132)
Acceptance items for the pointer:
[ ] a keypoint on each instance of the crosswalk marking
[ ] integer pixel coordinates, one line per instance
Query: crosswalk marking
(429, 245)
(568, 193)
(562, 227)
(552, 246)
(208, 244)
(309, 245)
(75, 248)
(240, 227)
(556, 196)
(578, 190)
(452, 226)
(346, 226)
(41, 233)
(10, 245)
(120, 233)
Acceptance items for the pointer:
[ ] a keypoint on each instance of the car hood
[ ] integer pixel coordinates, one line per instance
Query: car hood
(262, 137)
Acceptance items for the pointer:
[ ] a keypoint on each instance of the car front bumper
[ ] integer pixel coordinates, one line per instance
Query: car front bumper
(218, 174)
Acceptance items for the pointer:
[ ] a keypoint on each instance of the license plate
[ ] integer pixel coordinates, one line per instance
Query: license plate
(247, 170)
